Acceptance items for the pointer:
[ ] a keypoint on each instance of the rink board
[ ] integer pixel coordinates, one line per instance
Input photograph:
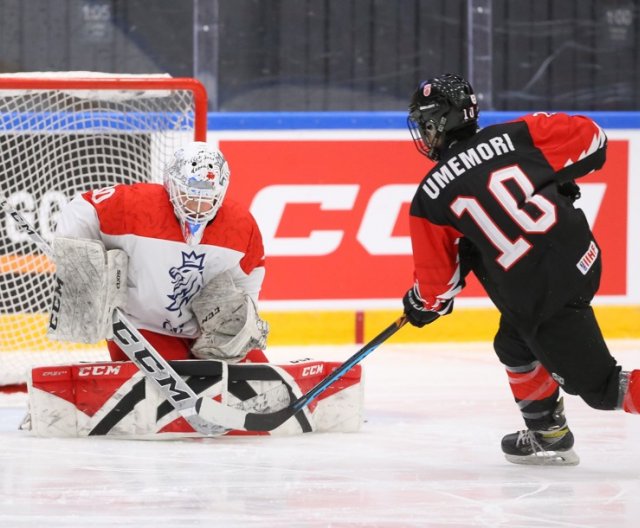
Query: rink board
(336, 327)
(331, 192)
(332, 202)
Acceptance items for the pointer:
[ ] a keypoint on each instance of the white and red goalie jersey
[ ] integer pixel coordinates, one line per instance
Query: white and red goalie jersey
(164, 272)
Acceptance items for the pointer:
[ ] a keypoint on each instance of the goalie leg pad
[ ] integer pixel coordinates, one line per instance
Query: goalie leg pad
(90, 283)
(116, 400)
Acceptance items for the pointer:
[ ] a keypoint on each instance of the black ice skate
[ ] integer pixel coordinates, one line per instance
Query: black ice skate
(551, 446)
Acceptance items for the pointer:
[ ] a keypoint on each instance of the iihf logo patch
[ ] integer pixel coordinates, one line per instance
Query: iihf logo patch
(587, 260)
(187, 281)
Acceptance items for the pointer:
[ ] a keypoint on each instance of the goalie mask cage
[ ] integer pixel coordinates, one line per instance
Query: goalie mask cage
(62, 134)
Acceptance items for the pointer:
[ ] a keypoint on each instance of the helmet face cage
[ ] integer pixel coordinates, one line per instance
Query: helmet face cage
(426, 134)
(440, 107)
(196, 181)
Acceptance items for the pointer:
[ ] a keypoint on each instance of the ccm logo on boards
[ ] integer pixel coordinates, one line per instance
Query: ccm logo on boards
(375, 231)
(375, 226)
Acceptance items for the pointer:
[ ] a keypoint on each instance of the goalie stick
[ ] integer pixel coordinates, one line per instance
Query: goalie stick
(137, 348)
(249, 421)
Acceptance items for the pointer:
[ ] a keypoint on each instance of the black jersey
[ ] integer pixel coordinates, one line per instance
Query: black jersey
(495, 201)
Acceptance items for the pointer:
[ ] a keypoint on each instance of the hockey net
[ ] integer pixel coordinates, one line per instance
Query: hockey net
(61, 134)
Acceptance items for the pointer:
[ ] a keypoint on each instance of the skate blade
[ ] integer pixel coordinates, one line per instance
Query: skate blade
(546, 458)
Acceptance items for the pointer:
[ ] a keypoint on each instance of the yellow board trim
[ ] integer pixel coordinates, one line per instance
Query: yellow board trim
(463, 324)
(349, 327)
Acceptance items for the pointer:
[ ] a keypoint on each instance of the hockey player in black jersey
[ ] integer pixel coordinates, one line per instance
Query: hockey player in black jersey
(499, 202)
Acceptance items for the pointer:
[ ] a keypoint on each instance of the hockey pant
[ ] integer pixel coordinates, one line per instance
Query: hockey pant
(568, 351)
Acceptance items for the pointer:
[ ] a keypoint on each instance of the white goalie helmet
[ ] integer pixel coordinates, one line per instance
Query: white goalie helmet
(197, 180)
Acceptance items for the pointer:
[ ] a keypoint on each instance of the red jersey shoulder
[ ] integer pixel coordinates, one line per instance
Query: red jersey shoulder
(107, 197)
(144, 209)
(564, 139)
(140, 209)
(233, 227)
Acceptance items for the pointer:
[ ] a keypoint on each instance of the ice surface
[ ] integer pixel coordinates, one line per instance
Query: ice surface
(427, 456)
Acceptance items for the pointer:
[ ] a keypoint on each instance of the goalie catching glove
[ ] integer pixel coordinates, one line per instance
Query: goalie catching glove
(90, 283)
(228, 320)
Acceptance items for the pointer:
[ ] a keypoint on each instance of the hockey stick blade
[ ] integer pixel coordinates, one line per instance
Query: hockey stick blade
(137, 348)
(214, 411)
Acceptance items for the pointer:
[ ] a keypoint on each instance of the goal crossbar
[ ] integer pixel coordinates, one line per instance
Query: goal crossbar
(118, 84)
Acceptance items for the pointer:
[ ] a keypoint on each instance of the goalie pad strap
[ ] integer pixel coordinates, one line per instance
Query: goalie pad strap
(90, 283)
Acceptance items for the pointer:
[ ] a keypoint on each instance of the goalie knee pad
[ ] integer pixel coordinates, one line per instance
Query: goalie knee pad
(90, 283)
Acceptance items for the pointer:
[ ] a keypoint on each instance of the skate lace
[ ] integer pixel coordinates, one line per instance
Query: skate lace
(528, 438)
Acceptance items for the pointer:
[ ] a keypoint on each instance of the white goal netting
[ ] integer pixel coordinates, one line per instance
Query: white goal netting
(61, 134)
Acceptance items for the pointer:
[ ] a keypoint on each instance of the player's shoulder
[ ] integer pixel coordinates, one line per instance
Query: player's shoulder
(545, 124)
(140, 208)
(144, 188)
(137, 193)
(542, 119)
(233, 211)
(143, 192)
(233, 226)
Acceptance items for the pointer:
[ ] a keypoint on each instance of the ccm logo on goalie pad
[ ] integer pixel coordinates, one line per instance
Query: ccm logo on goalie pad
(55, 305)
(99, 370)
(312, 370)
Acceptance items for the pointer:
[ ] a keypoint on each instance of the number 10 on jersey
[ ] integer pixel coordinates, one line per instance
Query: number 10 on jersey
(510, 251)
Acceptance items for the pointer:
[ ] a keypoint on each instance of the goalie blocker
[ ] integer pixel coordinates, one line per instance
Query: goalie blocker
(117, 400)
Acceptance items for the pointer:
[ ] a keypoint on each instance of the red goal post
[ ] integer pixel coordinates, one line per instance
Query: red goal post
(63, 133)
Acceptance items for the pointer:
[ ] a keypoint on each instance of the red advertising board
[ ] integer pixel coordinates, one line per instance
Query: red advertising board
(334, 215)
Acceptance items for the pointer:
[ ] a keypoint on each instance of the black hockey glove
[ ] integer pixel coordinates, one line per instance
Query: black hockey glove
(415, 311)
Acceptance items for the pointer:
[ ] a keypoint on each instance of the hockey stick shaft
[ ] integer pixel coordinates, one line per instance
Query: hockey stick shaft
(249, 421)
(335, 375)
(136, 347)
